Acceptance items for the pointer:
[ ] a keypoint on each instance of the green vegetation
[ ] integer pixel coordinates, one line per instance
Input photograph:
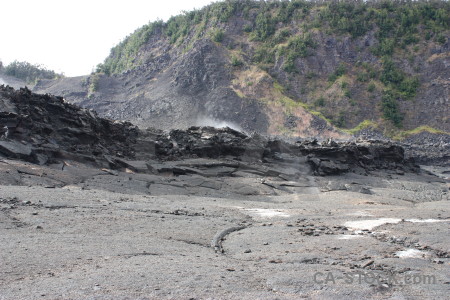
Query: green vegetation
(320, 102)
(311, 75)
(340, 70)
(93, 83)
(347, 93)
(278, 87)
(362, 77)
(264, 27)
(397, 24)
(398, 81)
(404, 134)
(29, 72)
(122, 56)
(441, 39)
(217, 35)
(339, 120)
(363, 125)
(282, 35)
(371, 87)
(347, 17)
(235, 61)
(269, 24)
(264, 54)
(399, 86)
(298, 46)
(294, 9)
(240, 94)
(290, 104)
(390, 108)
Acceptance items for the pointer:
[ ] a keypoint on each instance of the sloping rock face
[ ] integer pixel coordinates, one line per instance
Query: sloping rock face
(44, 129)
(175, 90)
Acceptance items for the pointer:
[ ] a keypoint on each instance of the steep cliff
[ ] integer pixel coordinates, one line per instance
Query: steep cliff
(290, 68)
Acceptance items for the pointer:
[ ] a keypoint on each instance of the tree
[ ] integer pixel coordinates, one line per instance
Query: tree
(29, 72)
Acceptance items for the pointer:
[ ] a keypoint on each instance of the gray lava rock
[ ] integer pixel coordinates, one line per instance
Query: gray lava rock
(15, 149)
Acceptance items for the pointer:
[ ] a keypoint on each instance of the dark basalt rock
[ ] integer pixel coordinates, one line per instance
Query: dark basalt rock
(45, 129)
(326, 167)
(329, 158)
(48, 126)
(15, 149)
(334, 158)
(210, 142)
(428, 148)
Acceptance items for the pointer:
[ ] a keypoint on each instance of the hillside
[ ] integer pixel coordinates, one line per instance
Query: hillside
(290, 68)
(22, 73)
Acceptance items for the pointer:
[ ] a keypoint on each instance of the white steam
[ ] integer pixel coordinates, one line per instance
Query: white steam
(2, 81)
(208, 121)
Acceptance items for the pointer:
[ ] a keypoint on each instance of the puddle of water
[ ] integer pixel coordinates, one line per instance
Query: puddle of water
(266, 213)
(370, 224)
(411, 253)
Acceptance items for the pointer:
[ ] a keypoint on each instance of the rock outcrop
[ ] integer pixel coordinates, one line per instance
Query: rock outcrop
(45, 129)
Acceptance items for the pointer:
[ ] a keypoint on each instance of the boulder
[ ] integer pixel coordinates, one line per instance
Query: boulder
(14, 149)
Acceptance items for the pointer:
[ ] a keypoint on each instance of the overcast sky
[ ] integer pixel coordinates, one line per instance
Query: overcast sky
(73, 36)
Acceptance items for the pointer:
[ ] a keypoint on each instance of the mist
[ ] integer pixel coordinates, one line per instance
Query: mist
(208, 121)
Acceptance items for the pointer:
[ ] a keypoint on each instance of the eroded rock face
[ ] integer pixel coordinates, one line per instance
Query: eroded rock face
(428, 148)
(45, 129)
(211, 142)
(326, 158)
(333, 158)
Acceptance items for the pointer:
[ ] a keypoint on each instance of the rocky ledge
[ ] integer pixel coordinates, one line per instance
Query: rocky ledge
(44, 129)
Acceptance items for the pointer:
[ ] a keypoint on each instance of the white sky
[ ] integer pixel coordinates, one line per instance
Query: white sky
(74, 36)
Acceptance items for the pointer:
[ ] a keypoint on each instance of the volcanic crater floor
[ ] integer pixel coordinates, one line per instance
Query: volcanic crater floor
(226, 230)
